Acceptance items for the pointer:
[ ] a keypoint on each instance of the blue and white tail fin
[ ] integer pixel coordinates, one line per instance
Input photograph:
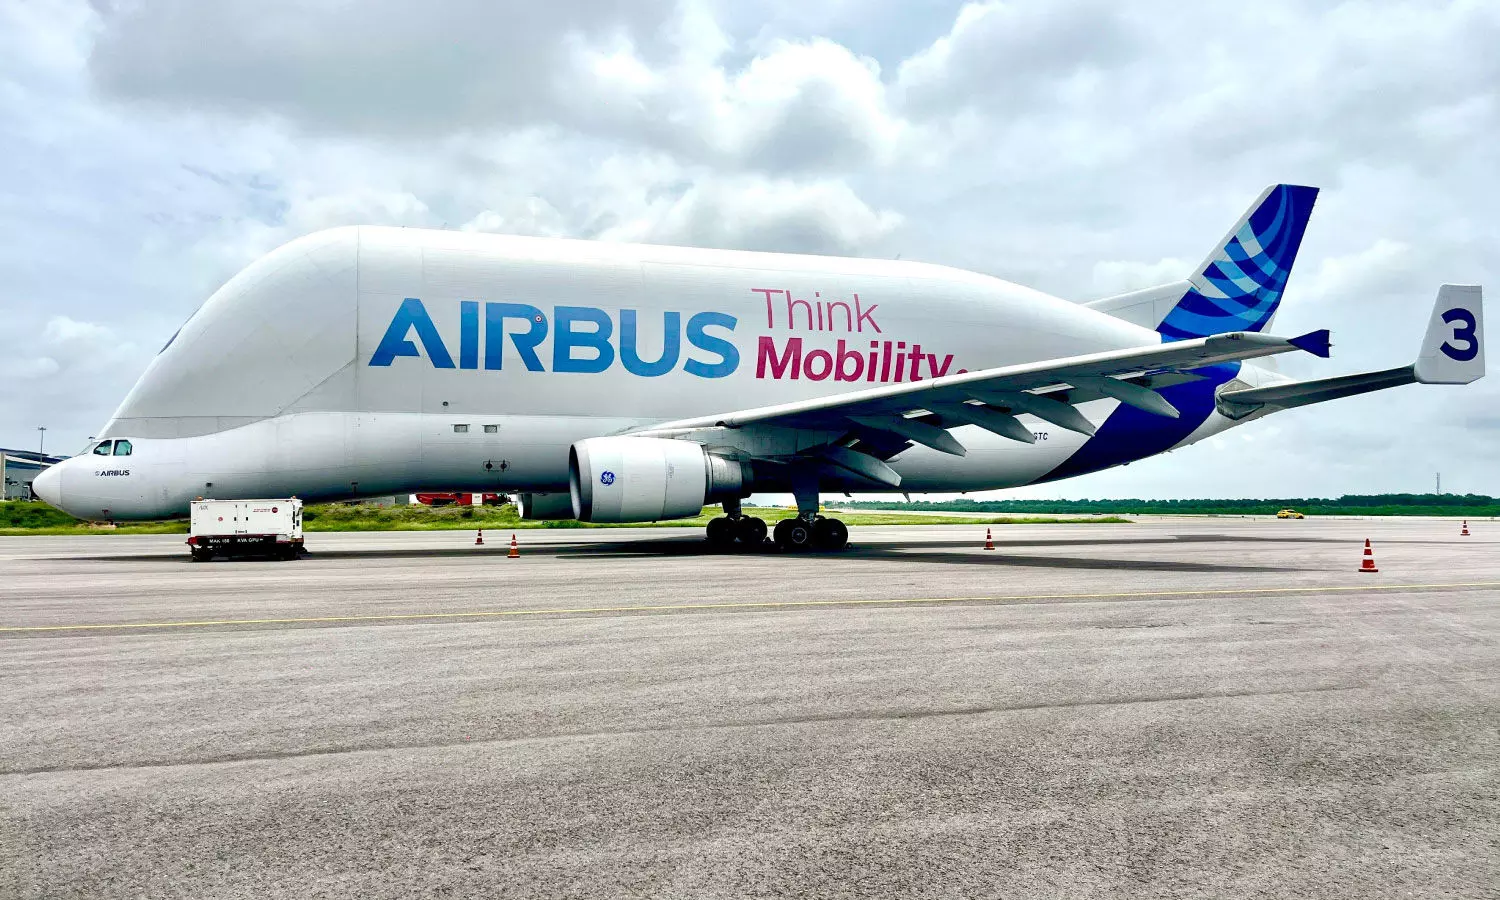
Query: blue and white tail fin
(1239, 285)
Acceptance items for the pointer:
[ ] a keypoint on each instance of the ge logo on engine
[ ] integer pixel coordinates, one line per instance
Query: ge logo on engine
(606, 477)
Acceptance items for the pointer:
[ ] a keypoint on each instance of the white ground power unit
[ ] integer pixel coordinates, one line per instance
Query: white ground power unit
(246, 528)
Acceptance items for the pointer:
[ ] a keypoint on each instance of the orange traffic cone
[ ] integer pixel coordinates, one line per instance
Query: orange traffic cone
(515, 552)
(1369, 564)
(479, 538)
(989, 542)
(1465, 532)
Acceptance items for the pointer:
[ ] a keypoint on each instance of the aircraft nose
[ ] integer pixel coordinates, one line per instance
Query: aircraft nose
(48, 485)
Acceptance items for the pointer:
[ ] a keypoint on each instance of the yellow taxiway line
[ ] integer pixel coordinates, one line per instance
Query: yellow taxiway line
(739, 605)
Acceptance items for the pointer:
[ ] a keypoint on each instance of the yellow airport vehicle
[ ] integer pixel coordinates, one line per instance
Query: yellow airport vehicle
(1290, 514)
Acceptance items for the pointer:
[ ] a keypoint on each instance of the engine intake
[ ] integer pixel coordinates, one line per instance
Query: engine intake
(641, 479)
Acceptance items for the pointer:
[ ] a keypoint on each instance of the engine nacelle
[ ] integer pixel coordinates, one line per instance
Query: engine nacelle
(641, 479)
(544, 507)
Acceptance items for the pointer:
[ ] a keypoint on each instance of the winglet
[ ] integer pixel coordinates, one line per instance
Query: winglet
(1453, 347)
(1314, 342)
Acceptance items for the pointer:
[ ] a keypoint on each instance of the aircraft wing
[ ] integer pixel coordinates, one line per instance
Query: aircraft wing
(889, 416)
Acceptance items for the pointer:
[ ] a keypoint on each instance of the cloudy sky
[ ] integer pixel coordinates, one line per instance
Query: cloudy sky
(154, 147)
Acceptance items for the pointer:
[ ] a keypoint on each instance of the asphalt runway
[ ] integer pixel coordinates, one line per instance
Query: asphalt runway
(1171, 708)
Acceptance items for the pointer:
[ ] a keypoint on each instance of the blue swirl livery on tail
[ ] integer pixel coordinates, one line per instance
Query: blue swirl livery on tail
(1239, 286)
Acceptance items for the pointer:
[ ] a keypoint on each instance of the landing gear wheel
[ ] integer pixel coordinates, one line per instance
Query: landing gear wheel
(751, 531)
(720, 532)
(793, 534)
(830, 534)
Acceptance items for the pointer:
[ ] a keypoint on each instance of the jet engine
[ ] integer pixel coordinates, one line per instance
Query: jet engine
(641, 479)
(544, 507)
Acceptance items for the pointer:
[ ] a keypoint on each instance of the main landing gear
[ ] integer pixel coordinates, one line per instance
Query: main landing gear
(734, 526)
(821, 533)
(725, 530)
(806, 531)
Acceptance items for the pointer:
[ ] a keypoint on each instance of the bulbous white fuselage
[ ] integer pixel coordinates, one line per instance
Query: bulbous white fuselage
(369, 361)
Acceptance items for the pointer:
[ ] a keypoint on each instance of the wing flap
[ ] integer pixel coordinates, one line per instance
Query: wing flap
(1058, 413)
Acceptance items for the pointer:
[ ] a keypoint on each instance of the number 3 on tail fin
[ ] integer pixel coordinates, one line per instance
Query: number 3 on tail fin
(1463, 330)
(1453, 348)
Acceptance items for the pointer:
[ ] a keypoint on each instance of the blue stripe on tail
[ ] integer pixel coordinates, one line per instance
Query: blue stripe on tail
(1239, 287)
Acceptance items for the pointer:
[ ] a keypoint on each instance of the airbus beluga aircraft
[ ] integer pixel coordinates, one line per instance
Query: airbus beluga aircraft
(625, 383)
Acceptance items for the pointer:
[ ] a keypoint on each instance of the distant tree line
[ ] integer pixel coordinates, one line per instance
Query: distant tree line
(1476, 505)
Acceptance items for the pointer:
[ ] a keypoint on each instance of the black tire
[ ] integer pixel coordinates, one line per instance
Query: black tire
(720, 532)
(778, 531)
(751, 531)
(830, 534)
(793, 534)
(202, 555)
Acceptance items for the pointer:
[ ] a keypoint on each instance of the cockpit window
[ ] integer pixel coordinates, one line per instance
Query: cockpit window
(122, 448)
(103, 448)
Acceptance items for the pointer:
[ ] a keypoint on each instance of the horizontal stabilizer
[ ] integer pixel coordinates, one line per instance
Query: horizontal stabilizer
(1452, 353)
(1238, 404)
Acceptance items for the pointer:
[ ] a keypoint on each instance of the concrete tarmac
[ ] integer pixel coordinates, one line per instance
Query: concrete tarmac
(1171, 708)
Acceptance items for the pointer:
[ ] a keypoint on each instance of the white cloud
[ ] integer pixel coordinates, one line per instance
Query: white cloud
(64, 332)
(755, 214)
(382, 66)
(64, 375)
(528, 215)
(359, 207)
(1372, 271)
(1007, 55)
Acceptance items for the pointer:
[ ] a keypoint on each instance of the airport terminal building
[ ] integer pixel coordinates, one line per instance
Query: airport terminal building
(18, 468)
